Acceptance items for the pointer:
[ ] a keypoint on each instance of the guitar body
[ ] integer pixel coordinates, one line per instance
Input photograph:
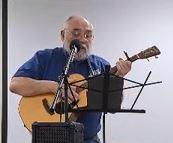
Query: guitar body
(31, 108)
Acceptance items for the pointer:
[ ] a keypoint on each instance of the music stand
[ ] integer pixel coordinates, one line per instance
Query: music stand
(100, 96)
(105, 92)
(106, 96)
(105, 101)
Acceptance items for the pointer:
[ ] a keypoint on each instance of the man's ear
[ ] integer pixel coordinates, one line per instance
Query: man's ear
(62, 35)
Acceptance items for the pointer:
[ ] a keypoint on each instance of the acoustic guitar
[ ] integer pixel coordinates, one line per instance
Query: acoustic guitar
(32, 109)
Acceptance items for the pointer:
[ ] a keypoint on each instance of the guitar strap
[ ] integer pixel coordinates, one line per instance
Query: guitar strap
(92, 71)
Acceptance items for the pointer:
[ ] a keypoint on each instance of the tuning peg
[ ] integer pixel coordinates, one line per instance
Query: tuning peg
(148, 60)
(127, 56)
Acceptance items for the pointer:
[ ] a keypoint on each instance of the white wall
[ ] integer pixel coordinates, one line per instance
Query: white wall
(128, 25)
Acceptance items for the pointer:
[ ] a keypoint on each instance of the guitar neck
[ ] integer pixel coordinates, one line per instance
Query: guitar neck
(149, 52)
(114, 69)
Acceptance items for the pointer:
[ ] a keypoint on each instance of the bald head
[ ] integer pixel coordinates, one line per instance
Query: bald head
(77, 19)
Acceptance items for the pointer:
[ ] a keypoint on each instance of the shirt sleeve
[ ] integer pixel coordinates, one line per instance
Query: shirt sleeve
(33, 68)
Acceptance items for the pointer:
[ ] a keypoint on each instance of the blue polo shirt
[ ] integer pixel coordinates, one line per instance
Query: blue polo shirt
(48, 65)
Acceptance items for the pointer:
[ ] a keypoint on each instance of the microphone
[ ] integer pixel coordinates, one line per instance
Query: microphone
(75, 45)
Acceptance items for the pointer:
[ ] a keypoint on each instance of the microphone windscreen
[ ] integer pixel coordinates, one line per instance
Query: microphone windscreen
(75, 44)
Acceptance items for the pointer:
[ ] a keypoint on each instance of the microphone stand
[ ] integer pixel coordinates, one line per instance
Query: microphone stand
(105, 98)
(64, 81)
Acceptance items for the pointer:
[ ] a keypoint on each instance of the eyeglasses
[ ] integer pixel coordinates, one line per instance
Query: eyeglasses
(76, 33)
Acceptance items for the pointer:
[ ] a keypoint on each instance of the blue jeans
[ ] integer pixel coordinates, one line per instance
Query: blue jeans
(93, 140)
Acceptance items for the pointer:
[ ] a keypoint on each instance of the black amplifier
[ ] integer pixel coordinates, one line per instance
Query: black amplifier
(68, 132)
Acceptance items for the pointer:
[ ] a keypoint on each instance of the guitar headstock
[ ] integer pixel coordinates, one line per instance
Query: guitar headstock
(150, 52)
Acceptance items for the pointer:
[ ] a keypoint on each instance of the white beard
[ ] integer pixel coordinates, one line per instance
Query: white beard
(81, 55)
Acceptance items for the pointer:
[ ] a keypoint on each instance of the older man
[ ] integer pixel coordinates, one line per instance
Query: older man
(39, 74)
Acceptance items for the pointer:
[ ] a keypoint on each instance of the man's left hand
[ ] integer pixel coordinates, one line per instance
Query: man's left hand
(123, 67)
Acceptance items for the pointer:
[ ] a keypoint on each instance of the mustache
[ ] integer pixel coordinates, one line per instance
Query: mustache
(83, 53)
(83, 46)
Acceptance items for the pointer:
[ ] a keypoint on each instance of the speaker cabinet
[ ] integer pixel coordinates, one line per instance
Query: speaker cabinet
(43, 132)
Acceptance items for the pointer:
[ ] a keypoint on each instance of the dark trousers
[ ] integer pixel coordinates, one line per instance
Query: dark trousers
(95, 139)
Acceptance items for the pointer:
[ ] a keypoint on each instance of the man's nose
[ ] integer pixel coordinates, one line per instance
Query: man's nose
(82, 38)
